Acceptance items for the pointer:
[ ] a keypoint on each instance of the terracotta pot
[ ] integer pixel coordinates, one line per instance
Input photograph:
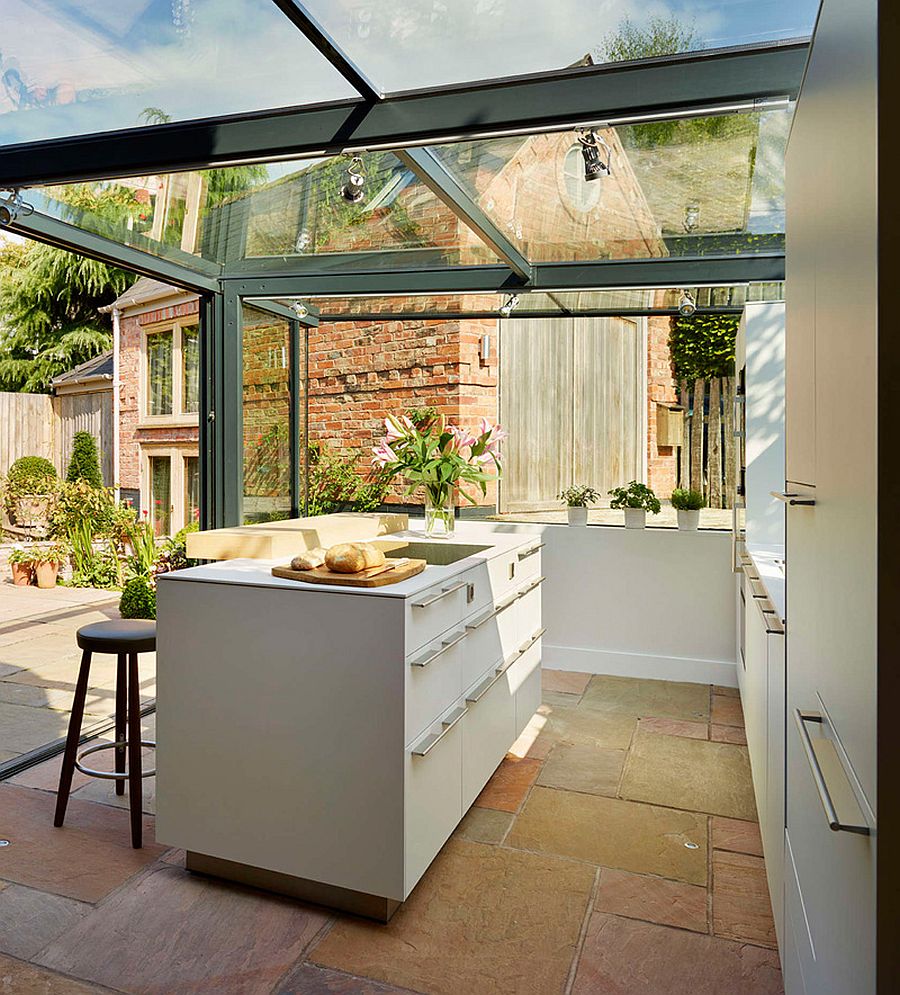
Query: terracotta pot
(21, 574)
(46, 574)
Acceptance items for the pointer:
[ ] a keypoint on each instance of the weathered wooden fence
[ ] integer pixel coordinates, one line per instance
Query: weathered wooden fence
(709, 451)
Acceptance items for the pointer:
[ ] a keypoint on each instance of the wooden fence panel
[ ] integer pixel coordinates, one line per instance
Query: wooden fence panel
(26, 428)
(91, 412)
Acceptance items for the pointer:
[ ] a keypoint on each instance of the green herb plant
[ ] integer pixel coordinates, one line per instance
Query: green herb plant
(685, 499)
(579, 496)
(635, 495)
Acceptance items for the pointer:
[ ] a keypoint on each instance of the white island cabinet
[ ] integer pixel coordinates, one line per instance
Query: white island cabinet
(326, 741)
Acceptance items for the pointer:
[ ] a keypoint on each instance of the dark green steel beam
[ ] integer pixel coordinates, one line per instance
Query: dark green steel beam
(432, 172)
(609, 312)
(310, 320)
(673, 86)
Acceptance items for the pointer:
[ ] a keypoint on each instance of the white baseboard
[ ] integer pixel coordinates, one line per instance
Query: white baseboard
(657, 668)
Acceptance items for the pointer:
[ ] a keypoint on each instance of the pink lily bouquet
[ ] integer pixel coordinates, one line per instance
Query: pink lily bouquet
(440, 458)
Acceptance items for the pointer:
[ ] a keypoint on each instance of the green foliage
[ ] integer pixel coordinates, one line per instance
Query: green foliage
(579, 496)
(659, 36)
(142, 541)
(685, 499)
(173, 554)
(138, 599)
(635, 495)
(84, 463)
(32, 475)
(702, 347)
(337, 484)
(83, 516)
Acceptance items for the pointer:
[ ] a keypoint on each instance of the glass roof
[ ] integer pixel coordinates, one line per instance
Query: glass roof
(410, 44)
(75, 67)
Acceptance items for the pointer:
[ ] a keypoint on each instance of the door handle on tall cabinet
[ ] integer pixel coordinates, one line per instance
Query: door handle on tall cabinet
(792, 499)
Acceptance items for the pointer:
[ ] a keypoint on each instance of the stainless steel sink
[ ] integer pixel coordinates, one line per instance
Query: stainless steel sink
(439, 554)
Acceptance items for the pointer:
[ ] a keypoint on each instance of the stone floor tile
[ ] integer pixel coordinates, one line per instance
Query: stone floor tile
(653, 899)
(98, 701)
(86, 859)
(31, 919)
(17, 978)
(169, 931)
(536, 742)
(673, 727)
(7, 669)
(483, 920)
(484, 825)
(24, 728)
(728, 734)
(626, 957)
(736, 836)
(690, 774)
(309, 979)
(589, 727)
(727, 691)
(560, 699)
(614, 833)
(509, 784)
(740, 899)
(103, 791)
(630, 696)
(583, 768)
(726, 711)
(564, 680)
(8, 755)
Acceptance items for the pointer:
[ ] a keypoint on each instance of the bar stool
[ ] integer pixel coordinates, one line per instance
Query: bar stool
(126, 638)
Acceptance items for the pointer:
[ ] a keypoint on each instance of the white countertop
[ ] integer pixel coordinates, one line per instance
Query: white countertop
(769, 563)
(258, 573)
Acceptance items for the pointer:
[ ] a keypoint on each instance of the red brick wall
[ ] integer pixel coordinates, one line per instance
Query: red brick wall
(662, 465)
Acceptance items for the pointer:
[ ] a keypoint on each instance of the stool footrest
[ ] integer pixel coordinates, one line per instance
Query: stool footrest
(107, 775)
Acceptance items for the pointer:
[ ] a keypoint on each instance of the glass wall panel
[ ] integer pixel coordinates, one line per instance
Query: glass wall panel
(161, 494)
(159, 373)
(418, 43)
(191, 489)
(190, 368)
(76, 67)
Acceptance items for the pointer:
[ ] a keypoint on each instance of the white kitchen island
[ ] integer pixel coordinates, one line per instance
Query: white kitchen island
(326, 741)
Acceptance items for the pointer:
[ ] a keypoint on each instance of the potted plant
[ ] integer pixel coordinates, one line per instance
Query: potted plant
(47, 560)
(439, 457)
(636, 500)
(21, 563)
(577, 498)
(30, 485)
(688, 503)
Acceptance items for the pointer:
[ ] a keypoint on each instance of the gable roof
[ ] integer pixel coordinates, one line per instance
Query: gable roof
(142, 291)
(98, 368)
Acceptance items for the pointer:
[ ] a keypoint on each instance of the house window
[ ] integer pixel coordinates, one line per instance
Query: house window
(190, 367)
(172, 371)
(159, 372)
(191, 489)
(161, 494)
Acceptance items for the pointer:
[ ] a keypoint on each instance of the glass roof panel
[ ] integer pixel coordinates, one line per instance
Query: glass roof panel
(410, 44)
(703, 186)
(75, 67)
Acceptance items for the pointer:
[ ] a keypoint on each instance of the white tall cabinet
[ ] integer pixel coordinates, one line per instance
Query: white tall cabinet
(832, 256)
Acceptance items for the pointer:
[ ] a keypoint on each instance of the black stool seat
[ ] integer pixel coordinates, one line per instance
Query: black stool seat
(120, 635)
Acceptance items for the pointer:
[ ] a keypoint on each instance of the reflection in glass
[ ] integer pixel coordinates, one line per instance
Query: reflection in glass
(190, 368)
(191, 489)
(161, 494)
(159, 373)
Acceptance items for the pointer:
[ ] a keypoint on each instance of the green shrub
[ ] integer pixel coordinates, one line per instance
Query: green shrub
(32, 475)
(138, 599)
(336, 483)
(635, 495)
(578, 496)
(684, 499)
(84, 463)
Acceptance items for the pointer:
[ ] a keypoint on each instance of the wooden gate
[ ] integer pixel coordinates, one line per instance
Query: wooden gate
(572, 397)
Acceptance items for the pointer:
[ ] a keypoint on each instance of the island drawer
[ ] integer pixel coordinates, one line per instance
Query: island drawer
(488, 730)
(525, 680)
(433, 681)
(443, 607)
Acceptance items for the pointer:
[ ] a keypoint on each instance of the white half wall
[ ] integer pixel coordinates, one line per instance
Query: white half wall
(654, 603)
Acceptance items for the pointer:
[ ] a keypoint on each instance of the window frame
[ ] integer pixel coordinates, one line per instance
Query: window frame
(177, 453)
(178, 417)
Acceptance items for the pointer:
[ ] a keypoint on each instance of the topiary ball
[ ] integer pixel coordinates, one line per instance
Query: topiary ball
(32, 475)
(138, 599)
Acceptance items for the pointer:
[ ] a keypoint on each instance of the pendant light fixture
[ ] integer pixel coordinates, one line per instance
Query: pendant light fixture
(596, 153)
(355, 184)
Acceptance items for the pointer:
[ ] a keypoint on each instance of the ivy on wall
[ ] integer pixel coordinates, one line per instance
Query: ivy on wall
(702, 347)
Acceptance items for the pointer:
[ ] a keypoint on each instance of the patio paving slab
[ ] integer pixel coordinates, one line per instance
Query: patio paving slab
(728, 734)
(483, 919)
(24, 728)
(736, 835)
(583, 768)
(17, 978)
(627, 957)
(30, 919)
(740, 899)
(509, 784)
(690, 774)
(726, 711)
(569, 682)
(484, 825)
(631, 696)
(673, 727)
(311, 980)
(584, 727)
(171, 931)
(653, 899)
(615, 833)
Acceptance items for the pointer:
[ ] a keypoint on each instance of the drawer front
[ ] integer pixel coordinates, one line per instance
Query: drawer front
(488, 732)
(433, 681)
(529, 560)
(444, 606)
(509, 570)
(432, 792)
(525, 681)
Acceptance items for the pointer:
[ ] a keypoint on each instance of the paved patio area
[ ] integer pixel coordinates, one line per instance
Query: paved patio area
(39, 664)
(614, 852)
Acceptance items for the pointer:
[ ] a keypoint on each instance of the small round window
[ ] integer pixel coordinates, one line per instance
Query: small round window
(581, 194)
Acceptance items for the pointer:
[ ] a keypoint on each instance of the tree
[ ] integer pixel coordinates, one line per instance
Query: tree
(702, 346)
(84, 463)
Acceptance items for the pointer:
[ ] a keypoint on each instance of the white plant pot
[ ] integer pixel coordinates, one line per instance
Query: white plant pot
(688, 521)
(635, 518)
(577, 516)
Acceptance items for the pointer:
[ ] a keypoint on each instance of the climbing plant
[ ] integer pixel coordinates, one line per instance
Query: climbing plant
(702, 346)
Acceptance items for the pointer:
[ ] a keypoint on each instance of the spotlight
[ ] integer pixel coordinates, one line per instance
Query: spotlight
(355, 184)
(687, 305)
(509, 305)
(691, 217)
(300, 309)
(304, 240)
(593, 149)
(12, 206)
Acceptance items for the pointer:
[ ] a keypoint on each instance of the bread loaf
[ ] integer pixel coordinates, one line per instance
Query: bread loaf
(309, 560)
(351, 557)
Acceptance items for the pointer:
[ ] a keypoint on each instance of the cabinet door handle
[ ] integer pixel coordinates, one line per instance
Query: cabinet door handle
(443, 593)
(834, 823)
(792, 499)
(478, 693)
(526, 646)
(429, 742)
(530, 552)
(432, 655)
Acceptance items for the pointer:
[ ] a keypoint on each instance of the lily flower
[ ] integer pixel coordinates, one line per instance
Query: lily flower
(383, 454)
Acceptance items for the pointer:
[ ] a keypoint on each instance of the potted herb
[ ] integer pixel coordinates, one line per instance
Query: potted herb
(688, 503)
(577, 498)
(636, 500)
(21, 562)
(47, 560)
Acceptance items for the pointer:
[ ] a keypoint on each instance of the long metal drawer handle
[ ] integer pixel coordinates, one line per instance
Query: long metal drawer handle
(451, 640)
(792, 499)
(834, 823)
(526, 646)
(532, 551)
(442, 594)
(534, 584)
(426, 745)
(484, 687)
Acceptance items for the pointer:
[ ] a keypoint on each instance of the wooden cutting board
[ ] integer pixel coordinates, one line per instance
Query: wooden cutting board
(373, 577)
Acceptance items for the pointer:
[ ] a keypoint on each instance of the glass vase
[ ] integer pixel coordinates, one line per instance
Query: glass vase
(439, 521)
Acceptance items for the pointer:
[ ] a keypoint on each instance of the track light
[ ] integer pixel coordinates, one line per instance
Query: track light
(509, 305)
(355, 184)
(691, 217)
(687, 305)
(593, 150)
(300, 309)
(12, 206)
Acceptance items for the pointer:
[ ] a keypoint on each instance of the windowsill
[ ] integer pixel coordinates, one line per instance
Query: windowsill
(169, 421)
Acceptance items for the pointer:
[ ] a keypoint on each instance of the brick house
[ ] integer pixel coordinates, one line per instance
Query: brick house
(359, 371)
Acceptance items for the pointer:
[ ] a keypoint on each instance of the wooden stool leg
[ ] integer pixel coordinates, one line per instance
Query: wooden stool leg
(134, 750)
(72, 737)
(121, 712)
